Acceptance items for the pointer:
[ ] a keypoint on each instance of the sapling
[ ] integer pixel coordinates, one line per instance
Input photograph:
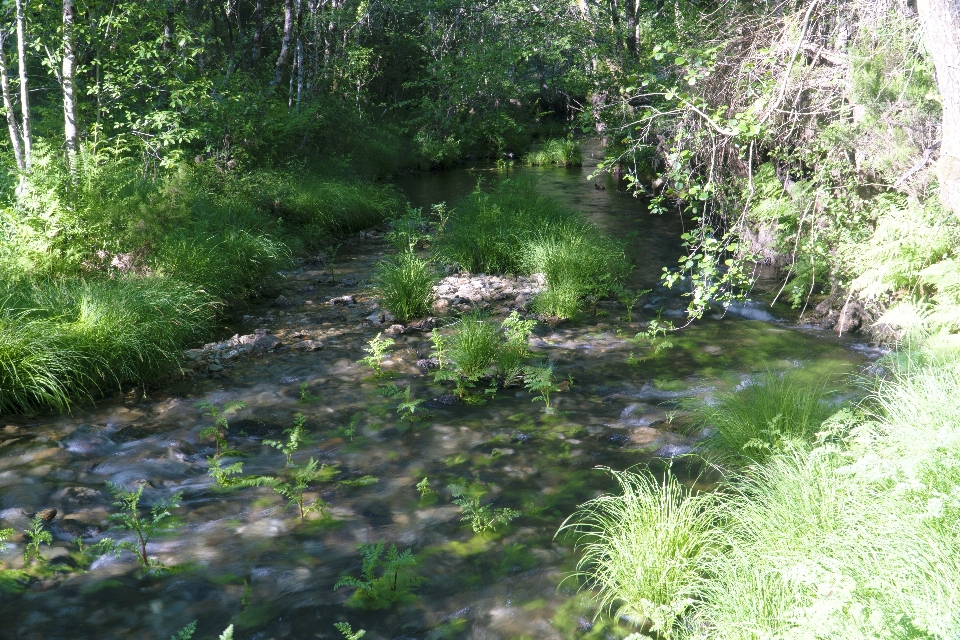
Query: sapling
(303, 476)
(159, 519)
(408, 408)
(37, 535)
(219, 429)
(295, 438)
(348, 632)
(380, 591)
(539, 379)
(482, 517)
(377, 348)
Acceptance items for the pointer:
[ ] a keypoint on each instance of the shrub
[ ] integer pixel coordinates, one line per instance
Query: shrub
(404, 284)
(560, 151)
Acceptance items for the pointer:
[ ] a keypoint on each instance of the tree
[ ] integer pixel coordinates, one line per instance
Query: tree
(12, 125)
(941, 23)
(67, 79)
(24, 87)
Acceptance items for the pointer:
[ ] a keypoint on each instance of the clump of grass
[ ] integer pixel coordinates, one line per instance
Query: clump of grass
(404, 284)
(642, 550)
(770, 415)
(559, 151)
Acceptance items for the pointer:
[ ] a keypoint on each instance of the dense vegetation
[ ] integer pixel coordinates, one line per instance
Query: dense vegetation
(165, 159)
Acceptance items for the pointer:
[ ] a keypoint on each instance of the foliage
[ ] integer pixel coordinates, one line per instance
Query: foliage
(186, 633)
(408, 407)
(404, 284)
(482, 517)
(628, 298)
(303, 476)
(6, 534)
(37, 535)
(144, 527)
(423, 487)
(348, 632)
(514, 348)
(295, 438)
(559, 151)
(377, 348)
(539, 379)
(770, 415)
(220, 426)
(392, 585)
(473, 350)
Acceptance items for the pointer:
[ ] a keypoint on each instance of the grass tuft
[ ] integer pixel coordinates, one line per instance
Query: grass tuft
(404, 283)
(558, 151)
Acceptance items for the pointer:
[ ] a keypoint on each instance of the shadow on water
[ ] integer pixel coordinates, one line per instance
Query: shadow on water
(245, 558)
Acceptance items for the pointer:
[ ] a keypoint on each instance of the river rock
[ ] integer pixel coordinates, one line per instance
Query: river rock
(427, 324)
(267, 343)
(307, 345)
(283, 302)
(346, 301)
(394, 330)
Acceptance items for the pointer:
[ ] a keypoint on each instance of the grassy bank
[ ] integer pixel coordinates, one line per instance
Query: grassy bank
(851, 535)
(109, 274)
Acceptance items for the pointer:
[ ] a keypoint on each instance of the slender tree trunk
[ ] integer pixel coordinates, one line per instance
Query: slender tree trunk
(283, 60)
(8, 105)
(941, 25)
(168, 26)
(24, 87)
(257, 31)
(67, 78)
(631, 10)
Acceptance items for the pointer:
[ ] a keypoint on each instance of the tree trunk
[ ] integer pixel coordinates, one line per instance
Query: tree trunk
(257, 31)
(8, 104)
(941, 25)
(24, 88)
(69, 103)
(283, 60)
(631, 10)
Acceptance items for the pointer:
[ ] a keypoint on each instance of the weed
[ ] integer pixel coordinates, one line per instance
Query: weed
(655, 336)
(408, 231)
(629, 298)
(482, 517)
(37, 535)
(159, 519)
(306, 396)
(380, 591)
(330, 252)
(348, 632)
(404, 283)
(350, 431)
(539, 379)
(558, 151)
(473, 349)
(295, 438)
(219, 429)
(408, 408)
(423, 487)
(6, 534)
(186, 633)
(377, 349)
(439, 350)
(303, 476)
(514, 348)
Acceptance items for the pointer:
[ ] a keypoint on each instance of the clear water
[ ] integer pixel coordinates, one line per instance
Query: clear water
(244, 557)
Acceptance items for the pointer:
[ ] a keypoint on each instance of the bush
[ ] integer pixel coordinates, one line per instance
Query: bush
(560, 151)
(770, 415)
(404, 284)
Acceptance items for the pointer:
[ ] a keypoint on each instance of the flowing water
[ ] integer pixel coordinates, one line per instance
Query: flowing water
(242, 556)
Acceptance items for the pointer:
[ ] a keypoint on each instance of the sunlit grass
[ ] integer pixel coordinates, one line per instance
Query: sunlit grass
(404, 285)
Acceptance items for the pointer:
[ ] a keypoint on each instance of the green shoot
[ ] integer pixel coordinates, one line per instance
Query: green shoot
(305, 395)
(219, 429)
(348, 632)
(540, 380)
(482, 518)
(350, 431)
(439, 348)
(5, 534)
(37, 535)
(295, 438)
(408, 408)
(303, 476)
(379, 591)
(629, 298)
(424, 488)
(186, 633)
(377, 348)
(159, 519)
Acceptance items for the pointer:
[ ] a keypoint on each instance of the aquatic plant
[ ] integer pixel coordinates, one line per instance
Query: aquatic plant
(158, 519)
(375, 591)
(439, 348)
(220, 427)
(769, 415)
(557, 151)
(295, 438)
(482, 517)
(408, 407)
(404, 284)
(473, 349)
(6, 534)
(348, 632)
(186, 633)
(36, 536)
(306, 396)
(514, 348)
(407, 231)
(303, 476)
(377, 349)
(539, 379)
(629, 297)
(643, 549)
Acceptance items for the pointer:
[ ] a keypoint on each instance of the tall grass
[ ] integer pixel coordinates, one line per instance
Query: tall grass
(856, 539)
(404, 284)
(767, 416)
(559, 151)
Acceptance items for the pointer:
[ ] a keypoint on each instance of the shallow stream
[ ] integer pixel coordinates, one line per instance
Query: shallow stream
(243, 556)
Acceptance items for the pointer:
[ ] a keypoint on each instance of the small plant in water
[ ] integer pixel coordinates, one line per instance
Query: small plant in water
(219, 429)
(350, 431)
(439, 348)
(159, 519)
(295, 438)
(303, 476)
(305, 395)
(408, 408)
(348, 632)
(482, 517)
(424, 488)
(5, 534)
(629, 298)
(37, 535)
(377, 348)
(391, 585)
(539, 379)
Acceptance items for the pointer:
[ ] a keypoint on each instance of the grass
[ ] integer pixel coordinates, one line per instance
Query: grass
(769, 415)
(558, 151)
(515, 230)
(404, 284)
(855, 537)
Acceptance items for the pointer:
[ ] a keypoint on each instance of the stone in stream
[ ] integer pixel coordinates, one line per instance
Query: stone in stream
(342, 300)
(307, 345)
(394, 330)
(283, 302)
